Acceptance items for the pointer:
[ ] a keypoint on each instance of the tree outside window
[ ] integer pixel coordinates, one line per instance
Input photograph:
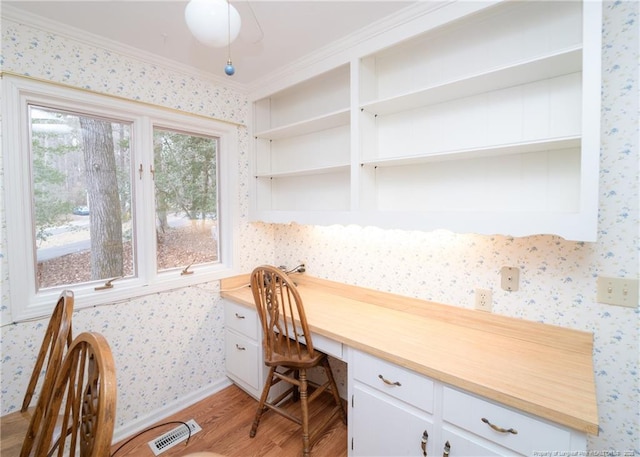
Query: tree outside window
(82, 197)
(185, 179)
(82, 181)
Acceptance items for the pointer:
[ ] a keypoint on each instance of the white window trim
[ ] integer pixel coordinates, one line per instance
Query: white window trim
(26, 303)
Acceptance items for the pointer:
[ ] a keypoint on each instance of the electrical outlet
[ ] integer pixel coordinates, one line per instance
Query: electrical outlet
(483, 299)
(618, 291)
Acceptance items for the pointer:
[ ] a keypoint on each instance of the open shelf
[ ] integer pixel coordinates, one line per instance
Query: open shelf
(305, 172)
(479, 120)
(549, 66)
(488, 151)
(316, 124)
(327, 191)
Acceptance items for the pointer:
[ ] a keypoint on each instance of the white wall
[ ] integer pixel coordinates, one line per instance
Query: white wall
(151, 335)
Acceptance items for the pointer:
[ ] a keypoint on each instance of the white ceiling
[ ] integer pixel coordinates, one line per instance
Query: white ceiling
(279, 33)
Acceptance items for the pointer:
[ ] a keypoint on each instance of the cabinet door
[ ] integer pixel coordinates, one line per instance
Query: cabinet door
(462, 446)
(382, 426)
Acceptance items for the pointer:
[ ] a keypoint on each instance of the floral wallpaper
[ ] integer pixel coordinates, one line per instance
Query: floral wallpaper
(163, 357)
(168, 347)
(44, 55)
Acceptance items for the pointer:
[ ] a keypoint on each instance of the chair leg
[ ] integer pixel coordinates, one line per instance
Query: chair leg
(296, 390)
(304, 405)
(334, 389)
(263, 399)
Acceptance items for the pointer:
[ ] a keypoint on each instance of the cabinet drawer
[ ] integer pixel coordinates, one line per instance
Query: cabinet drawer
(322, 344)
(326, 345)
(243, 360)
(241, 319)
(398, 382)
(467, 412)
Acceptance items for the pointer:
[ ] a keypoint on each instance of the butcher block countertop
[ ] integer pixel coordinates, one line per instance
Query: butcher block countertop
(538, 368)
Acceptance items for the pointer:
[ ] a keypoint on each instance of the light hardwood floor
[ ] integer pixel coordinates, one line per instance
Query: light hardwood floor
(226, 419)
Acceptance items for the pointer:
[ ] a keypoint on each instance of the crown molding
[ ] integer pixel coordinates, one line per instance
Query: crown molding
(384, 32)
(341, 51)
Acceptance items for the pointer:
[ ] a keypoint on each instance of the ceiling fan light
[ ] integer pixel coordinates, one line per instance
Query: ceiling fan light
(213, 22)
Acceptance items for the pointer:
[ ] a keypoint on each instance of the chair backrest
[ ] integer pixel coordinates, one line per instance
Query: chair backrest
(80, 416)
(286, 335)
(57, 339)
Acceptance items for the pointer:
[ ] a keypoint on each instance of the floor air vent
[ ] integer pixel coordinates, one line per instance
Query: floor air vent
(173, 437)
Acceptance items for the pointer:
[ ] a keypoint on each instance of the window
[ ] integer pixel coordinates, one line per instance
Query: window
(185, 178)
(81, 182)
(110, 198)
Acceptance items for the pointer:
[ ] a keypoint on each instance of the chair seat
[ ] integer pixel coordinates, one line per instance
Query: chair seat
(13, 429)
(305, 360)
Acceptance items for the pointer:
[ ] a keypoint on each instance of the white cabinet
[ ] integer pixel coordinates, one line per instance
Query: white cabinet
(244, 360)
(486, 122)
(243, 348)
(390, 409)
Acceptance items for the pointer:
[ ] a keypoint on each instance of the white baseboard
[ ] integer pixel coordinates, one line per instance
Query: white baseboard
(131, 428)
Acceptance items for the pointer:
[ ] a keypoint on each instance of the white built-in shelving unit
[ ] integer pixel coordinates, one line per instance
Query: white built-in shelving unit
(480, 121)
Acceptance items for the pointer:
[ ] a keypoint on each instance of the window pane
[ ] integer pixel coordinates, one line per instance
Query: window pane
(186, 199)
(82, 197)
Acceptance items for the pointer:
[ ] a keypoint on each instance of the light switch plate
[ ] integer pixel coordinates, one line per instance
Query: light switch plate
(618, 291)
(510, 278)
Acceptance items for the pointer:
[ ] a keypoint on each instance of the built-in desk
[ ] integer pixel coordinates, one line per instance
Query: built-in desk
(542, 370)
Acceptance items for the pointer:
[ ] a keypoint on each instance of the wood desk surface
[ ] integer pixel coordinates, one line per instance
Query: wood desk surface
(541, 369)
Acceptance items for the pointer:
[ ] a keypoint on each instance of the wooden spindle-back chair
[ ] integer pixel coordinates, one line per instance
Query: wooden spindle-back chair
(56, 341)
(80, 416)
(288, 346)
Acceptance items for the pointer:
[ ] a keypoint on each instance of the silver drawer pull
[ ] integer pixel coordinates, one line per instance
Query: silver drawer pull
(499, 429)
(446, 450)
(239, 316)
(240, 348)
(386, 381)
(423, 443)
